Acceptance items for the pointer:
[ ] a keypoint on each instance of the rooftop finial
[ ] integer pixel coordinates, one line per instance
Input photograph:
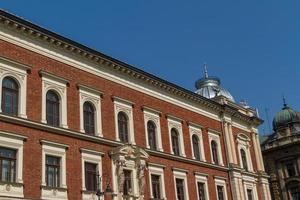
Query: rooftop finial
(284, 101)
(205, 70)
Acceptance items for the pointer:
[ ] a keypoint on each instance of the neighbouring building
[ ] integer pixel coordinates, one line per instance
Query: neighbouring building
(77, 124)
(281, 152)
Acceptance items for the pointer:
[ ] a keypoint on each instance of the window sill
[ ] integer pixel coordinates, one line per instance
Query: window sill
(54, 188)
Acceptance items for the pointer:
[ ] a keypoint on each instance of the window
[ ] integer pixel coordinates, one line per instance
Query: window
(220, 191)
(180, 189)
(249, 194)
(123, 127)
(175, 142)
(127, 190)
(52, 108)
(201, 191)
(89, 118)
(244, 159)
(91, 176)
(214, 151)
(7, 164)
(196, 147)
(10, 95)
(151, 128)
(155, 181)
(290, 168)
(52, 171)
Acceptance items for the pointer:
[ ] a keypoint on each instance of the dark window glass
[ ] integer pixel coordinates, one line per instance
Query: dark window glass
(91, 176)
(10, 96)
(290, 169)
(89, 118)
(53, 171)
(52, 108)
(155, 187)
(220, 191)
(123, 127)
(201, 191)
(196, 147)
(244, 159)
(295, 192)
(127, 183)
(180, 189)
(8, 164)
(214, 150)
(175, 142)
(151, 128)
(249, 194)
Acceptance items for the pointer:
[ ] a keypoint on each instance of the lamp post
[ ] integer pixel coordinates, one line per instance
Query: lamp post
(108, 190)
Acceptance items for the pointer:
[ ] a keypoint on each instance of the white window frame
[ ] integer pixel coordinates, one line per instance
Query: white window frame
(17, 71)
(244, 143)
(92, 96)
(196, 130)
(94, 157)
(250, 183)
(221, 182)
(58, 150)
(59, 85)
(202, 179)
(154, 116)
(176, 123)
(181, 174)
(16, 142)
(158, 171)
(216, 137)
(122, 105)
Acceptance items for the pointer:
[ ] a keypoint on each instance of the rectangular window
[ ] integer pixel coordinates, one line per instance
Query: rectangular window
(249, 194)
(90, 176)
(290, 169)
(201, 191)
(8, 164)
(156, 187)
(180, 189)
(127, 183)
(220, 190)
(53, 171)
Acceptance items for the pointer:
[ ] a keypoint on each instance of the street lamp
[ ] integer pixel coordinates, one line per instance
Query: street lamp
(108, 190)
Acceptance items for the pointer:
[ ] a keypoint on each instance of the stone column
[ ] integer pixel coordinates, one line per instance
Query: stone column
(227, 142)
(256, 151)
(234, 156)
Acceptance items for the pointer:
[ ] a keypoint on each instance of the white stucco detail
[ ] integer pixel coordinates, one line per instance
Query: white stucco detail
(176, 124)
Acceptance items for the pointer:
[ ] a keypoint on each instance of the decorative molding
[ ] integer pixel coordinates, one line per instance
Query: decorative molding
(52, 76)
(90, 89)
(13, 135)
(55, 144)
(15, 64)
(90, 151)
(121, 100)
(180, 170)
(151, 110)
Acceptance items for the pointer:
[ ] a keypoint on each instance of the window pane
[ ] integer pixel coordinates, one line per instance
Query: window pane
(244, 159)
(123, 127)
(196, 147)
(220, 192)
(249, 194)
(214, 149)
(52, 108)
(52, 171)
(201, 191)
(127, 183)
(155, 186)
(151, 135)
(89, 118)
(8, 164)
(175, 142)
(91, 176)
(10, 93)
(180, 189)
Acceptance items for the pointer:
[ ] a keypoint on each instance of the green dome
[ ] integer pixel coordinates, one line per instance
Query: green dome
(285, 116)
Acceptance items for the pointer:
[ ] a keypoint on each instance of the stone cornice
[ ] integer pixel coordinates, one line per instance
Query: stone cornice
(33, 31)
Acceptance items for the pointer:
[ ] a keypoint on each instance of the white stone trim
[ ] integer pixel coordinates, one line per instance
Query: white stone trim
(126, 107)
(60, 87)
(16, 142)
(181, 175)
(88, 95)
(221, 182)
(213, 136)
(243, 143)
(159, 172)
(94, 157)
(196, 130)
(177, 124)
(202, 179)
(58, 150)
(250, 183)
(11, 69)
(149, 115)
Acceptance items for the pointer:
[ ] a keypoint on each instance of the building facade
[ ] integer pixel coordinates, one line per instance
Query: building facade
(77, 124)
(281, 153)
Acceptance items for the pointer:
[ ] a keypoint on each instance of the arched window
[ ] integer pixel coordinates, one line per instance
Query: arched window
(52, 108)
(214, 151)
(151, 129)
(10, 94)
(175, 141)
(89, 118)
(196, 147)
(123, 127)
(244, 159)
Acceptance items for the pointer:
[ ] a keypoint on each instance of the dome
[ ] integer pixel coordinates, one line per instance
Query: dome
(285, 116)
(210, 87)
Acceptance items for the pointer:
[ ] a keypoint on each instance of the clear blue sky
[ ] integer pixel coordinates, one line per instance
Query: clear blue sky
(253, 46)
